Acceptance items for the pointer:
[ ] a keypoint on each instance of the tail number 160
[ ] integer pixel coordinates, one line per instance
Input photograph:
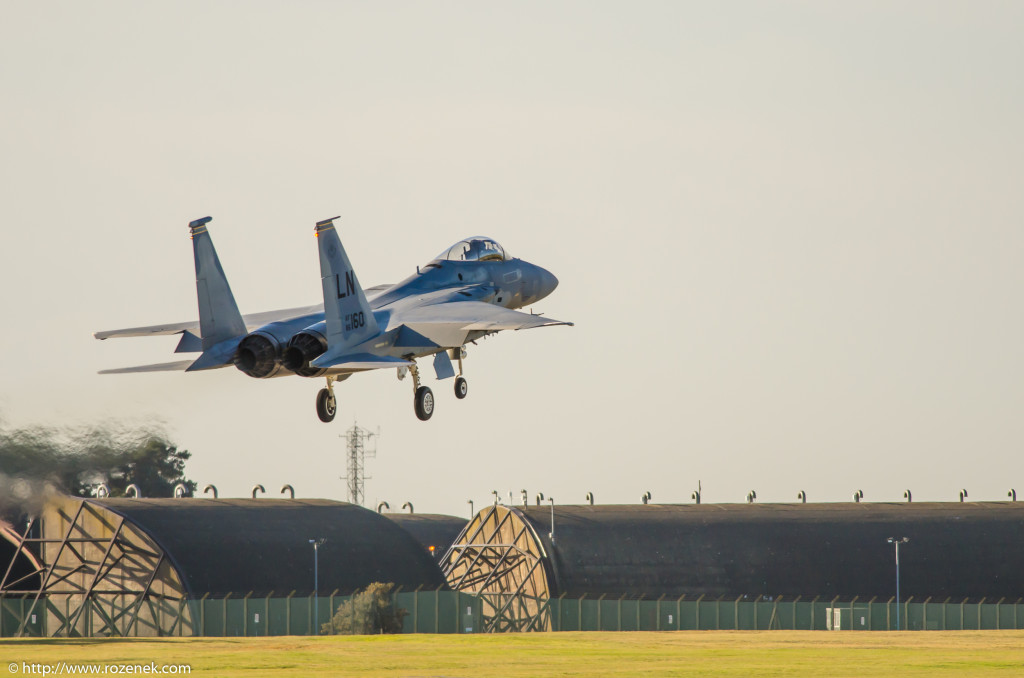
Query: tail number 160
(353, 321)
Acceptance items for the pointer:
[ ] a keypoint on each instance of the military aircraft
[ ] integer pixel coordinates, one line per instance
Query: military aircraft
(467, 292)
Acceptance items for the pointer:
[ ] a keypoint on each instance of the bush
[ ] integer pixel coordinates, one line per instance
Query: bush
(368, 611)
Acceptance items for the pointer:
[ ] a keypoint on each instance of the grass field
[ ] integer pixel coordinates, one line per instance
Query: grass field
(698, 653)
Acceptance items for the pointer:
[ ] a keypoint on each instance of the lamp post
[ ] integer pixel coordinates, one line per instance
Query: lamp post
(896, 541)
(316, 581)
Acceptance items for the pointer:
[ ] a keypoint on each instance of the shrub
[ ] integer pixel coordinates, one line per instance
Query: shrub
(368, 611)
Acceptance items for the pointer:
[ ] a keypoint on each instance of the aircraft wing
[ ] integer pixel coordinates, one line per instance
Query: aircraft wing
(469, 316)
(252, 321)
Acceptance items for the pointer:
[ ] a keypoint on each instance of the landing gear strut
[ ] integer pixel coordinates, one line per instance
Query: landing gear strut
(326, 404)
(461, 387)
(424, 400)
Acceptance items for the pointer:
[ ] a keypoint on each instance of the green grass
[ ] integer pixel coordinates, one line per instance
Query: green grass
(696, 653)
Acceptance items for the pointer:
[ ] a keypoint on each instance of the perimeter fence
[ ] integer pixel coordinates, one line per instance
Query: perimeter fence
(450, 612)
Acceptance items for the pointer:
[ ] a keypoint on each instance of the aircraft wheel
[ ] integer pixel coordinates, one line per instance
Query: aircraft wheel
(461, 388)
(326, 406)
(424, 403)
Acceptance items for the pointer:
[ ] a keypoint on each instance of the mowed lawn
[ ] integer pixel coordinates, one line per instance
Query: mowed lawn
(695, 653)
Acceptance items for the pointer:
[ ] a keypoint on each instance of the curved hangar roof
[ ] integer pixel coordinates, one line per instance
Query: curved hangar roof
(431, 530)
(220, 546)
(956, 549)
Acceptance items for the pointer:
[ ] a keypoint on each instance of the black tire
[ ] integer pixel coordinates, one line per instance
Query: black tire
(424, 403)
(326, 406)
(461, 388)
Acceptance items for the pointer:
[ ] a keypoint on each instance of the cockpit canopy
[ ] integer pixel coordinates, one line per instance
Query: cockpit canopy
(477, 248)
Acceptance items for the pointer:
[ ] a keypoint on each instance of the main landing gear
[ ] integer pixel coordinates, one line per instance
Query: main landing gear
(423, 402)
(326, 404)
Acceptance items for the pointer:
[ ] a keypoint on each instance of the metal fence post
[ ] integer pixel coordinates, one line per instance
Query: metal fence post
(599, 606)
(245, 614)
(560, 610)
(288, 613)
(266, 610)
(437, 610)
(224, 625)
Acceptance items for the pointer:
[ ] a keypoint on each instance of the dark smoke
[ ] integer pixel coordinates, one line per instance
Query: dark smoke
(36, 463)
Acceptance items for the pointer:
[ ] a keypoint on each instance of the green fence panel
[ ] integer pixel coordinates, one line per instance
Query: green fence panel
(971, 617)
(256, 617)
(988, 614)
(860, 616)
(235, 624)
(213, 617)
(706, 615)
(446, 613)
(278, 623)
(299, 616)
(1008, 616)
(571, 614)
(425, 621)
(652, 617)
(468, 617)
(879, 615)
(590, 614)
(406, 601)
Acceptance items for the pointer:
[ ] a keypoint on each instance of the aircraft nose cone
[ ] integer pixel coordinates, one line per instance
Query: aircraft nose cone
(548, 283)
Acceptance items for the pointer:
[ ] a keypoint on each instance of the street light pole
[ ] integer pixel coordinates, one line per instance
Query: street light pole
(896, 541)
(316, 582)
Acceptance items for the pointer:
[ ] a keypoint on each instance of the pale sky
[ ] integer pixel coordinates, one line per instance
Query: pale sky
(789, 234)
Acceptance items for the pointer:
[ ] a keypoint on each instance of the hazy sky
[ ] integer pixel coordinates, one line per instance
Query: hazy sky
(789, 233)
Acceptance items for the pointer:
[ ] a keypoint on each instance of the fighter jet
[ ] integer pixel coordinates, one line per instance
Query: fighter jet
(465, 293)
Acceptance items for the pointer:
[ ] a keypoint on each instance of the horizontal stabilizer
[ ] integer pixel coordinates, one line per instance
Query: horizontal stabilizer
(189, 343)
(358, 361)
(177, 366)
(218, 355)
(150, 331)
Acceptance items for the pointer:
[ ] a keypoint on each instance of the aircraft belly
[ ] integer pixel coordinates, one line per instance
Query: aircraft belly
(441, 334)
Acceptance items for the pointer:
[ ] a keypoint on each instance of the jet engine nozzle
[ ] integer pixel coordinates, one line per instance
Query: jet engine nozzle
(303, 348)
(257, 356)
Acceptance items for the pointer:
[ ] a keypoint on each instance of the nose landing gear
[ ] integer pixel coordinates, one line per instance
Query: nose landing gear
(461, 387)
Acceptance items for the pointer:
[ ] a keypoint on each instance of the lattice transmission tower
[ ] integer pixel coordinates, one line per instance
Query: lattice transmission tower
(358, 441)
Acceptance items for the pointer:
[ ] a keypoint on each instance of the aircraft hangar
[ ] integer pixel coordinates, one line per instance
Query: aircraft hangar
(130, 567)
(143, 566)
(516, 558)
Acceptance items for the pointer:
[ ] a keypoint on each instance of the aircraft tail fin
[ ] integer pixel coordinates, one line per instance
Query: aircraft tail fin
(219, 318)
(348, 316)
